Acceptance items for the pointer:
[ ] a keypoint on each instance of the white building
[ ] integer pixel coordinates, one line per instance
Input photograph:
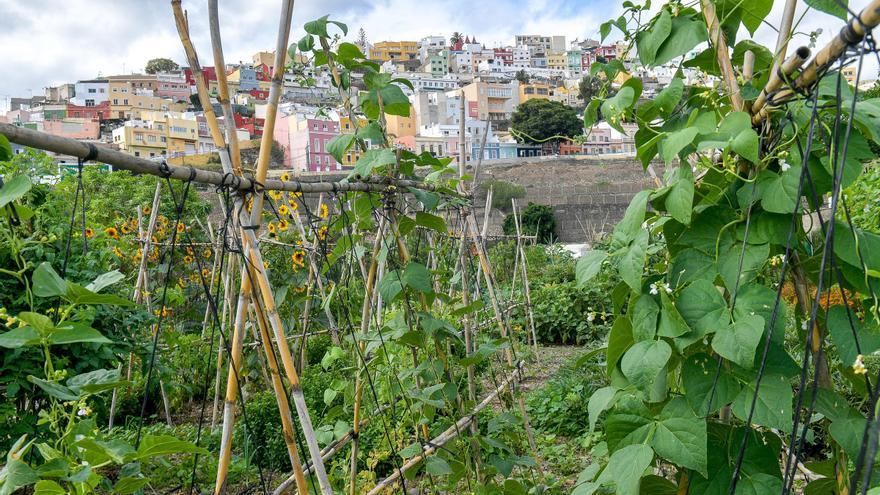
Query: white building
(431, 45)
(522, 57)
(424, 81)
(90, 93)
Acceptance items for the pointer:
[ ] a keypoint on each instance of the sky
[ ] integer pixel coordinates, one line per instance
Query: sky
(47, 42)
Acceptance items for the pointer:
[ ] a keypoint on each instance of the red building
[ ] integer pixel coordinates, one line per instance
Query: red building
(505, 55)
(259, 93)
(100, 111)
(207, 72)
(590, 55)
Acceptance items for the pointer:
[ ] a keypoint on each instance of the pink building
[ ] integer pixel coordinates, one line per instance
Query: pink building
(304, 140)
(505, 55)
(590, 55)
(173, 86)
(73, 128)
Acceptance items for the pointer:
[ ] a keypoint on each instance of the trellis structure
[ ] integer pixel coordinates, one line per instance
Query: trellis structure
(256, 304)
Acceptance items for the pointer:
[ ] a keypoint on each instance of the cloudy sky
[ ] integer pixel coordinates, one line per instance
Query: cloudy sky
(46, 42)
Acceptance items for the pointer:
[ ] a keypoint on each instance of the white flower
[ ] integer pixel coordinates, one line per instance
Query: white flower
(591, 317)
(654, 290)
(859, 366)
(668, 288)
(784, 166)
(645, 224)
(804, 325)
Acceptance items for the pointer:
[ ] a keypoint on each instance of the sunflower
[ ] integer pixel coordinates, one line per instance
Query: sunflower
(89, 233)
(276, 195)
(133, 222)
(207, 253)
(163, 219)
(117, 252)
(154, 239)
(293, 205)
(187, 259)
(322, 233)
(283, 210)
(146, 210)
(112, 232)
(160, 232)
(181, 282)
(285, 177)
(266, 265)
(180, 228)
(194, 277)
(164, 312)
(271, 228)
(124, 228)
(325, 212)
(282, 225)
(299, 257)
(206, 273)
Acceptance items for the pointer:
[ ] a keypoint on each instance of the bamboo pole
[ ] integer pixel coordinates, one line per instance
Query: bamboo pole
(784, 35)
(223, 87)
(447, 435)
(227, 305)
(722, 52)
(313, 265)
(525, 276)
(769, 95)
(124, 161)
(748, 68)
(366, 314)
(468, 331)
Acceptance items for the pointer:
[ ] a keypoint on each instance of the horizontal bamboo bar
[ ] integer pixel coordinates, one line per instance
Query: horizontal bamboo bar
(73, 147)
(776, 80)
(854, 31)
(447, 435)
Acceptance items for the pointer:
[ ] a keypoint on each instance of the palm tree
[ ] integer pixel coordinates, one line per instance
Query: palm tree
(456, 38)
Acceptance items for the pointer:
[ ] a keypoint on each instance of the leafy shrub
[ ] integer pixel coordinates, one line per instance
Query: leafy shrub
(560, 407)
(535, 220)
(567, 314)
(503, 192)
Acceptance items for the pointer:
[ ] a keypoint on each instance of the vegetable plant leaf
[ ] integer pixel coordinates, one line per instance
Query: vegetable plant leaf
(588, 265)
(738, 341)
(644, 361)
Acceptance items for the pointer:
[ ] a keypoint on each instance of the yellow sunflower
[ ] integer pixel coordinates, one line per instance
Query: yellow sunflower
(189, 251)
(299, 257)
(181, 282)
(271, 228)
(285, 177)
(283, 210)
(282, 225)
(90, 233)
(187, 259)
(266, 265)
(194, 277)
(322, 233)
(325, 212)
(117, 252)
(124, 228)
(112, 232)
(206, 273)
(207, 253)
(146, 210)
(180, 228)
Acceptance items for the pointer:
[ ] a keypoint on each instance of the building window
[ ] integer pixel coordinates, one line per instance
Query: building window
(317, 145)
(137, 153)
(151, 138)
(90, 103)
(92, 90)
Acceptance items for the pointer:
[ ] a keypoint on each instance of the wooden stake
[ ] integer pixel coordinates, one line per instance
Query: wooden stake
(525, 277)
(716, 37)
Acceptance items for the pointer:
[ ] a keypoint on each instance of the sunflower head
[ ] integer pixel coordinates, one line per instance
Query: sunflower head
(89, 233)
(180, 228)
(282, 225)
(325, 212)
(207, 253)
(187, 259)
(112, 232)
(322, 233)
(271, 228)
(283, 210)
(285, 177)
(146, 210)
(117, 252)
(299, 257)
(206, 273)
(124, 228)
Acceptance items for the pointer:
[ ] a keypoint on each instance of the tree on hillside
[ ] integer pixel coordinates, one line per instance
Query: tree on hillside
(535, 219)
(589, 87)
(161, 65)
(522, 77)
(539, 121)
(362, 40)
(455, 38)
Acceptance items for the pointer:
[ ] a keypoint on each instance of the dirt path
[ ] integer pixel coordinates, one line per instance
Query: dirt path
(550, 359)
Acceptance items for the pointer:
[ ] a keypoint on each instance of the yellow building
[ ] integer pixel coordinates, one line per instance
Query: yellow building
(139, 138)
(354, 153)
(534, 91)
(183, 136)
(489, 100)
(398, 126)
(129, 102)
(849, 74)
(158, 134)
(567, 96)
(384, 51)
(557, 61)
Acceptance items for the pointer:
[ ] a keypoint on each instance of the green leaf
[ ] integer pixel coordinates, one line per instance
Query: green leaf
(702, 307)
(753, 258)
(390, 286)
(373, 159)
(738, 341)
(746, 145)
(49, 487)
(628, 227)
(428, 199)
(620, 338)
(644, 318)
(591, 113)
(844, 331)
(613, 108)
(632, 262)
(78, 294)
(436, 466)
(339, 145)
(130, 484)
(680, 200)
(17, 475)
(47, 283)
(626, 467)
(671, 322)
(644, 362)
(778, 191)
(677, 141)
(588, 266)
(72, 333)
(432, 222)
(105, 280)
(161, 445)
(698, 378)
(418, 277)
(54, 389)
(5, 151)
(17, 187)
(773, 407)
(753, 14)
(648, 41)
(667, 99)
(19, 337)
(601, 400)
(680, 436)
(832, 7)
(687, 32)
(96, 381)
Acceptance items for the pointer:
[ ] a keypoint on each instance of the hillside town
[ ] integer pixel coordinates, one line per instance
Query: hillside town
(156, 114)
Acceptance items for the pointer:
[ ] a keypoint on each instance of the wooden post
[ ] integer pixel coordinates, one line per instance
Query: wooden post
(525, 277)
(716, 37)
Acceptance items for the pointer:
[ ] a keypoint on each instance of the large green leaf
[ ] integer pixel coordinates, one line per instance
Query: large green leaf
(738, 341)
(680, 436)
(690, 265)
(161, 445)
(418, 277)
(73, 333)
(778, 191)
(702, 307)
(625, 469)
(644, 362)
(648, 41)
(390, 286)
(19, 337)
(836, 8)
(432, 222)
(78, 294)
(730, 268)
(632, 261)
(601, 400)
(54, 389)
(15, 188)
(680, 200)
(437, 466)
(339, 145)
(372, 160)
(628, 227)
(17, 475)
(753, 14)
(773, 408)
(698, 378)
(688, 31)
(746, 145)
(671, 322)
(588, 266)
(677, 141)
(845, 329)
(644, 315)
(620, 338)
(47, 283)
(105, 280)
(5, 150)
(94, 382)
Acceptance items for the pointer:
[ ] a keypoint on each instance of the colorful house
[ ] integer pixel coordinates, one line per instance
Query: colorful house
(303, 137)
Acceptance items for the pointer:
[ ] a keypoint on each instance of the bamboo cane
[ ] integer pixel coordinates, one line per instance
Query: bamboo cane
(313, 266)
(716, 37)
(227, 305)
(447, 435)
(467, 329)
(223, 87)
(748, 69)
(769, 95)
(525, 277)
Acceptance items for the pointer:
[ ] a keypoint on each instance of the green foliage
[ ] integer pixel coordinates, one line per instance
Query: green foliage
(861, 200)
(539, 121)
(156, 65)
(589, 86)
(535, 219)
(558, 406)
(502, 192)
